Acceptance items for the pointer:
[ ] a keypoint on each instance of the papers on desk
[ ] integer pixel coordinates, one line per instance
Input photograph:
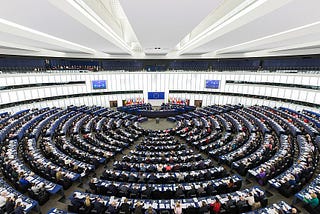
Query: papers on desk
(187, 187)
(154, 205)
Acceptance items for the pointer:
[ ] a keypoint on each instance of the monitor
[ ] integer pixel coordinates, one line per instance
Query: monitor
(99, 84)
(215, 84)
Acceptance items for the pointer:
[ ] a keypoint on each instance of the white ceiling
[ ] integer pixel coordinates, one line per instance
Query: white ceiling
(162, 23)
(159, 28)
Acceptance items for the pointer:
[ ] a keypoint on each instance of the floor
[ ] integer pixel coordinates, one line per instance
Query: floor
(61, 200)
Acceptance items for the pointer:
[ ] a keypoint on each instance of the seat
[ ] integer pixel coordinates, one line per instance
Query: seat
(144, 196)
(264, 202)
(133, 195)
(73, 209)
(94, 211)
(232, 209)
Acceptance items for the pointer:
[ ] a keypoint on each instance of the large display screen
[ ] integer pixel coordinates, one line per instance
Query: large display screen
(155, 95)
(215, 84)
(99, 84)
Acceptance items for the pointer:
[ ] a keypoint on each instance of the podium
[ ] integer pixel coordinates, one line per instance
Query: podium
(157, 120)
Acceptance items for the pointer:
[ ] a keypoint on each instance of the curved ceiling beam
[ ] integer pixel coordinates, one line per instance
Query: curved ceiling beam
(244, 12)
(22, 31)
(100, 17)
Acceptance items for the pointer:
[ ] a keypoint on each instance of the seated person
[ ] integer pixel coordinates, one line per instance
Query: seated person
(75, 201)
(180, 177)
(292, 180)
(179, 191)
(215, 206)
(230, 184)
(3, 199)
(148, 191)
(313, 202)
(252, 202)
(230, 202)
(138, 208)
(24, 183)
(112, 208)
(112, 188)
(210, 188)
(177, 208)
(132, 178)
(142, 177)
(124, 189)
(59, 176)
(135, 191)
(36, 189)
(99, 205)
(150, 210)
(152, 178)
(200, 190)
(125, 207)
(10, 204)
(192, 192)
(242, 202)
(204, 208)
(92, 184)
(87, 204)
(261, 177)
(19, 208)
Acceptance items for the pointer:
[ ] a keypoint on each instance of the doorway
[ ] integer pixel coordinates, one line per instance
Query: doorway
(113, 103)
(198, 103)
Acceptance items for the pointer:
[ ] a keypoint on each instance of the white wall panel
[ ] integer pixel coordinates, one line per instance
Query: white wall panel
(304, 80)
(303, 95)
(264, 78)
(165, 81)
(290, 79)
(294, 94)
(314, 81)
(311, 97)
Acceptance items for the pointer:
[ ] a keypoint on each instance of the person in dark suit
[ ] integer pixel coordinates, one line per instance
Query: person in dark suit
(150, 210)
(179, 191)
(148, 191)
(152, 178)
(125, 207)
(76, 202)
(135, 190)
(242, 202)
(112, 208)
(210, 188)
(112, 188)
(10, 204)
(132, 178)
(125, 190)
(138, 209)
(192, 192)
(230, 202)
(99, 206)
(204, 208)
(19, 208)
